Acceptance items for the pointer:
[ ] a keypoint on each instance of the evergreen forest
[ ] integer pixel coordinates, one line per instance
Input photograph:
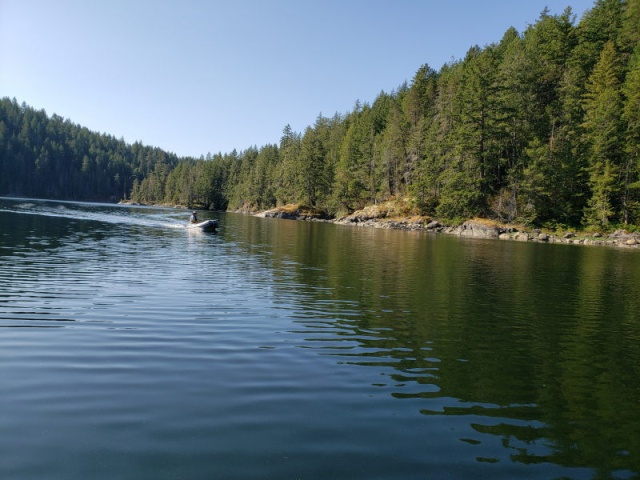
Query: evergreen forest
(540, 128)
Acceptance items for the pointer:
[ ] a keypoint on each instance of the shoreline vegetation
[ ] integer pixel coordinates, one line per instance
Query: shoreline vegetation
(387, 216)
(395, 216)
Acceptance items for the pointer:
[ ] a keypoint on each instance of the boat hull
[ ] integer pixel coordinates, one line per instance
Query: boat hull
(206, 226)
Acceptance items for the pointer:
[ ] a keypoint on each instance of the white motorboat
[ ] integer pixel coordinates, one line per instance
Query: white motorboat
(206, 226)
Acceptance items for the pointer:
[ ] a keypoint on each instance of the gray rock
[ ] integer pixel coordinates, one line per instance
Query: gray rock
(284, 215)
(471, 228)
(619, 234)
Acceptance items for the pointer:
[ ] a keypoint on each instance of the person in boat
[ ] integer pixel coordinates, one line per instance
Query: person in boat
(193, 218)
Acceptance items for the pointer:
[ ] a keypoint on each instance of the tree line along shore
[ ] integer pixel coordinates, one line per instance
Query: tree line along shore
(540, 129)
(392, 215)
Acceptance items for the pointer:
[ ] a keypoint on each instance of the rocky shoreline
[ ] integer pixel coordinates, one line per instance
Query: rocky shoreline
(478, 228)
(376, 217)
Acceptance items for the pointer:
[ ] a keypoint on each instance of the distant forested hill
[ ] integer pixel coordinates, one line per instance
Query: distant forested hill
(542, 127)
(49, 157)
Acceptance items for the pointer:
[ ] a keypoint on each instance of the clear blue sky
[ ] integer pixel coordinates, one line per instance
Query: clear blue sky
(199, 76)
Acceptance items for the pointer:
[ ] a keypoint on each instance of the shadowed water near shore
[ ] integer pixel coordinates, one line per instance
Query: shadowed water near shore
(277, 349)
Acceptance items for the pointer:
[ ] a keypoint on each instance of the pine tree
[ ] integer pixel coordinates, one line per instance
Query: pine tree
(456, 160)
(394, 151)
(604, 136)
(312, 166)
(629, 36)
(550, 167)
(630, 171)
(289, 184)
(418, 107)
(476, 106)
(352, 186)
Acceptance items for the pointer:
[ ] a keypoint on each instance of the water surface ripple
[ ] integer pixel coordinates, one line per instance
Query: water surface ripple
(133, 348)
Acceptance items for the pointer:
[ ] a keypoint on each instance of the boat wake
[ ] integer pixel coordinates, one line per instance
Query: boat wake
(104, 213)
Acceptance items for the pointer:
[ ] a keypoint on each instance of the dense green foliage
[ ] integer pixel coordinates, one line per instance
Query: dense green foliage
(54, 158)
(541, 128)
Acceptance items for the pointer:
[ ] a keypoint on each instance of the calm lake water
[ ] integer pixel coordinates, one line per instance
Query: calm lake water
(132, 348)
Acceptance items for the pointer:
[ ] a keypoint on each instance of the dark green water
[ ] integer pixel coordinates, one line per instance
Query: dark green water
(131, 348)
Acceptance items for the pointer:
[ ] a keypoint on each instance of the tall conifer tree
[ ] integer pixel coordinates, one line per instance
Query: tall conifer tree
(603, 134)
